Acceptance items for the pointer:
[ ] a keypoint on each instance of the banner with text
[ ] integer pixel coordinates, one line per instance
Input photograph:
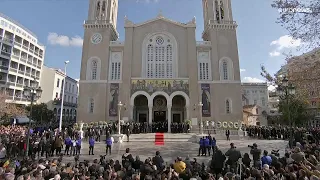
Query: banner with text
(205, 95)
(113, 96)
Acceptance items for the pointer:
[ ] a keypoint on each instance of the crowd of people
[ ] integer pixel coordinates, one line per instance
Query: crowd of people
(138, 128)
(46, 158)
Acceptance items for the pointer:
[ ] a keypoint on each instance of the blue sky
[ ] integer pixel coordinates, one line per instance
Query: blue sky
(58, 25)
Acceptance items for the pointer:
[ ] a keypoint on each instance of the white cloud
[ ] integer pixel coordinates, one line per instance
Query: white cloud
(271, 88)
(274, 53)
(252, 80)
(242, 70)
(286, 41)
(62, 40)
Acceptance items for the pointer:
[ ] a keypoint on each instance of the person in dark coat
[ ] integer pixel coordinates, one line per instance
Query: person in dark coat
(217, 161)
(158, 161)
(127, 159)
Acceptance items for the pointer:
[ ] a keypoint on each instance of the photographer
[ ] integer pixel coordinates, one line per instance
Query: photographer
(256, 155)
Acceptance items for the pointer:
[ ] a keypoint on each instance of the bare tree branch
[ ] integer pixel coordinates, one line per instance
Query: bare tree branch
(301, 18)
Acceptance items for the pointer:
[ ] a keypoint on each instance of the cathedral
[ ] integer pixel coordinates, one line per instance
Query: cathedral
(160, 72)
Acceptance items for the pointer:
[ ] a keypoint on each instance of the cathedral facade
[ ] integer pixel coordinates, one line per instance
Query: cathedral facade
(160, 72)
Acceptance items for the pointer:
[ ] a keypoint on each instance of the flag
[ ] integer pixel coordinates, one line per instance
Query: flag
(6, 164)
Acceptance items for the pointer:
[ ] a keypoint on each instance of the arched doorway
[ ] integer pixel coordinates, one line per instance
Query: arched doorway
(178, 109)
(159, 109)
(140, 109)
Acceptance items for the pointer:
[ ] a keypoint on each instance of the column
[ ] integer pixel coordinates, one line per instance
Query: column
(187, 113)
(150, 115)
(169, 118)
(131, 109)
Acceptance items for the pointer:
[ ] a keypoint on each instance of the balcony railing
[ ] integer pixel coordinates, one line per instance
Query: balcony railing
(25, 47)
(4, 67)
(222, 22)
(29, 62)
(116, 43)
(58, 102)
(203, 43)
(5, 53)
(21, 71)
(12, 83)
(97, 22)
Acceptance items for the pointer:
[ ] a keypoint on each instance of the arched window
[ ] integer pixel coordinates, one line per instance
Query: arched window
(228, 109)
(91, 105)
(225, 70)
(216, 4)
(98, 10)
(103, 8)
(221, 10)
(159, 57)
(94, 68)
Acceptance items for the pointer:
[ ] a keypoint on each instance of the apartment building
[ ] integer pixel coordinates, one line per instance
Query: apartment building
(21, 59)
(52, 82)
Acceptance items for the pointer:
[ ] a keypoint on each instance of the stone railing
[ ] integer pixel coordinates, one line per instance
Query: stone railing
(203, 43)
(222, 22)
(116, 43)
(97, 22)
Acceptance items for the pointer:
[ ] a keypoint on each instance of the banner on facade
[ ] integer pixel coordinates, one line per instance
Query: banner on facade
(152, 85)
(113, 96)
(205, 94)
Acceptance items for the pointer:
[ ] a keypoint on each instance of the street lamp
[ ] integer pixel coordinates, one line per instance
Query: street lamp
(285, 91)
(32, 93)
(119, 116)
(62, 99)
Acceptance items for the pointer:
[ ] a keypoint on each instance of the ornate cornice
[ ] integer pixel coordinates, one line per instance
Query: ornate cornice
(192, 23)
(223, 25)
(101, 24)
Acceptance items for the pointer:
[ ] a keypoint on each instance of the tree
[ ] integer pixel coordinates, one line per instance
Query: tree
(40, 113)
(297, 105)
(8, 110)
(301, 18)
(297, 109)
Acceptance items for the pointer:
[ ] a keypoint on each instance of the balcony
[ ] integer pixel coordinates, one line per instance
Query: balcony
(15, 57)
(21, 72)
(29, 62)
(11, 83)
(67, 104)
(12, 69)
(116, 43)
(23, 59)
(204, 43)
(222, 22)
(25, 47)
(8, 39)
(4, 67)
(17, 42)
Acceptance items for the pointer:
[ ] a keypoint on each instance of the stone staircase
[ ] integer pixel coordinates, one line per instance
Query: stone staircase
(168, 137)
(181, 137)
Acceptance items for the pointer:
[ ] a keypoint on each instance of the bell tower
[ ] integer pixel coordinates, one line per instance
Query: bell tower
(216, 11)
(104, 10)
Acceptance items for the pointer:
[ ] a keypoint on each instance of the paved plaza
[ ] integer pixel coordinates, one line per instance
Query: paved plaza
(171, 150)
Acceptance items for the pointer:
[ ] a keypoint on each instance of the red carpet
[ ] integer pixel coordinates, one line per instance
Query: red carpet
(159, 139)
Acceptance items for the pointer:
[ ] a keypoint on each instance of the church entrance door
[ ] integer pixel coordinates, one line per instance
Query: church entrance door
(142, 118)
(160, 116)
(176, 118)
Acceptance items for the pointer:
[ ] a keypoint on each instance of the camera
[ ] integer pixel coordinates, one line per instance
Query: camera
(250, 146)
